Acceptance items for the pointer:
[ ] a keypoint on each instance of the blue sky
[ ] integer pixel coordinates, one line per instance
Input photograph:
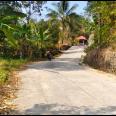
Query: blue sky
(79, 10)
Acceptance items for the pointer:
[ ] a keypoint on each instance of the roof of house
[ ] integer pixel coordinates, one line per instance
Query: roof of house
(81, 38)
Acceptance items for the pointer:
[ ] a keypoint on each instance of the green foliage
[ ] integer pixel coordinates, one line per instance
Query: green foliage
(3, 76)
(104, 22)
(41, 36)
(20, 39)
(62, 12)
(7, 65)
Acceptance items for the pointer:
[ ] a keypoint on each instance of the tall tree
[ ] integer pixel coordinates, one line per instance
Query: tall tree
(103, 14)
(32, 7)
(62, 11)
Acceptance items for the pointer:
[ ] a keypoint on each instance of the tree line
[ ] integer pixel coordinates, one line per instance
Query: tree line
(103, 25)
(22, 36)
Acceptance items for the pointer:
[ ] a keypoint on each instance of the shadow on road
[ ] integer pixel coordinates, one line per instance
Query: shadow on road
(56, 109)
(60, 64)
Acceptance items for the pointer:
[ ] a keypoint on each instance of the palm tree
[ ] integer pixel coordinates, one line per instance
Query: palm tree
(62, 12)
(8, 19)
(41, 36)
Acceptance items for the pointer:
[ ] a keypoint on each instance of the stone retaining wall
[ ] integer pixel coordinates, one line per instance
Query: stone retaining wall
(103, 59)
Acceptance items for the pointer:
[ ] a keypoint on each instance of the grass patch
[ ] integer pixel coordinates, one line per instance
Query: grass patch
(3, 76)
(7, 65)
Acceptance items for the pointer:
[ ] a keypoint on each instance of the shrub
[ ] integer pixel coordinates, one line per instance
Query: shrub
(3, 76)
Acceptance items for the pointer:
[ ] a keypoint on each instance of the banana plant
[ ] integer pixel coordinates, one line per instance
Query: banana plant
(7, 30)
(43, 37)
(7, 18)
(21, 35)
(40, 37)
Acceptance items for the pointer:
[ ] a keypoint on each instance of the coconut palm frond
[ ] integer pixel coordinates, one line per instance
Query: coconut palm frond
(71, 10)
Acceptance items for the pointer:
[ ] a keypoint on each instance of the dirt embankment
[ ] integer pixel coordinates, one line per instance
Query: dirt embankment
(102, 58)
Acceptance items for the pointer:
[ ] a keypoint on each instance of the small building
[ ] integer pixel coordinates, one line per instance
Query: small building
(82, 40)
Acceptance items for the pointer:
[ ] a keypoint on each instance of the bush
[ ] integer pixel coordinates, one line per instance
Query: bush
(3, 77)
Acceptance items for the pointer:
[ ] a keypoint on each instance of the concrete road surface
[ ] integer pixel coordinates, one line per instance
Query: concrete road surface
(62, 86)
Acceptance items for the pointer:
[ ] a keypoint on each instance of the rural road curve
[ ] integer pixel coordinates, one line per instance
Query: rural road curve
(62, 86)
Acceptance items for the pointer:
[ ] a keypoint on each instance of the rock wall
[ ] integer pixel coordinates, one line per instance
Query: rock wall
(103, 59)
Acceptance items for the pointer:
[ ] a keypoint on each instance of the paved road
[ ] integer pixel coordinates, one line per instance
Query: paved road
(62, 86)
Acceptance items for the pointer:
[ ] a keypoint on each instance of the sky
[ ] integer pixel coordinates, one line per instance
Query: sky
(79, 10)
